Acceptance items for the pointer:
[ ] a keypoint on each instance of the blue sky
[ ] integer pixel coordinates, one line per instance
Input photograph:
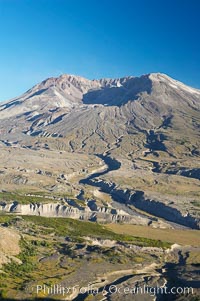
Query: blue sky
(92, 38)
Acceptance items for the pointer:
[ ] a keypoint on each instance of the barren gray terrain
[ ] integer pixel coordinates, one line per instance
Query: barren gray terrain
(105, 153)
(149, 125)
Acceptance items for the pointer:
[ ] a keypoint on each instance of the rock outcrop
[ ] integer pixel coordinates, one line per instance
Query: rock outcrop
(152, 206)
(100, 214)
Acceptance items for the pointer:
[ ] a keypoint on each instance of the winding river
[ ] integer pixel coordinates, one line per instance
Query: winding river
(112, 164)
(121, 199)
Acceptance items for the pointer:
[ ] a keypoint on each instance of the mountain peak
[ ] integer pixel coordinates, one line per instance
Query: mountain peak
(173, 83)
(69, 91)
(73, 106)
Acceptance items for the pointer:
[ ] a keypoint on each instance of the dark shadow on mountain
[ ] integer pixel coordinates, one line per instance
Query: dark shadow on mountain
(112, 164)
(38, 93)
(185, 172)
(36, 117)
(155, 141)
(167, 122)
(58, 119)
(27, 113)
(181, 275)
(117, 96)
(10, 104)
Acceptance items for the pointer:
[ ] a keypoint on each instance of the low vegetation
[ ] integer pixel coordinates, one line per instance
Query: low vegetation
(196, 203)
(56, 248)
(79, 229)
(22, 199)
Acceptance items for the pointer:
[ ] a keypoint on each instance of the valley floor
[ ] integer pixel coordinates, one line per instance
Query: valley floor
(91, 223)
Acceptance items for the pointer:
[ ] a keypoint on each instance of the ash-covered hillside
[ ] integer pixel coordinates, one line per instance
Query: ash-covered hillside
(94, 114)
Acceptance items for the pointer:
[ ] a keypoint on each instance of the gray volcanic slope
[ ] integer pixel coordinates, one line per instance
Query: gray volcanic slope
(91, 115)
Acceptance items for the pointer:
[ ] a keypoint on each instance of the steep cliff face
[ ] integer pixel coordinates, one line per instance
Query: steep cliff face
(100, 214)
(121, 213)
(155, 206)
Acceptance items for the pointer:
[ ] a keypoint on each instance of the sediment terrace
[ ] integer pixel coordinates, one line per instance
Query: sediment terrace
(126, 206)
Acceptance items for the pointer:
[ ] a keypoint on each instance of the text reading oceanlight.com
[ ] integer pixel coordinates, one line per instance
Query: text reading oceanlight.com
(111, 289)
